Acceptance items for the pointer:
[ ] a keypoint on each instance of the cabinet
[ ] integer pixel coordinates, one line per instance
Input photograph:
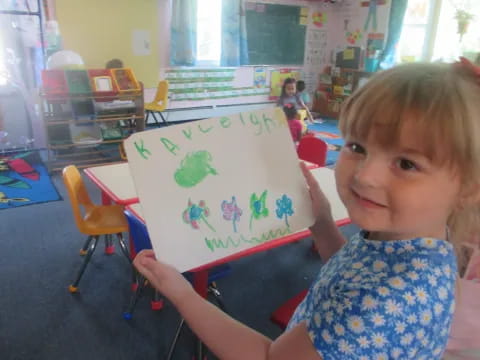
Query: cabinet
(334, 88)
(87, 129)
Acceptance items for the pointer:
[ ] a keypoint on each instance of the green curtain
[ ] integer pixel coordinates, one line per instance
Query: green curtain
(395, 24)
(183, 43)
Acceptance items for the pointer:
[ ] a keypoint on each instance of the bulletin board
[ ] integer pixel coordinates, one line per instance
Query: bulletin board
(277, 77)
(276, 33)
(212, 188)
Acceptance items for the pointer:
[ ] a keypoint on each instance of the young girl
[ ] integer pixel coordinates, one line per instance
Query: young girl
(294, 123)
(289, 96)
(408, 177)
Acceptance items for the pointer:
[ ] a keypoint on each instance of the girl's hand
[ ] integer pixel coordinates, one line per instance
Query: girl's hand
(163, 277)
(320, 205)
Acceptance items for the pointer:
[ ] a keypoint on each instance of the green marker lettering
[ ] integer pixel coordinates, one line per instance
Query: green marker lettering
(241, 119)
(170, 146)
(255, 121)
(229, 242)
(266, 121)
(203, 130)
(225, 122)
(141, 149)
(188, 133)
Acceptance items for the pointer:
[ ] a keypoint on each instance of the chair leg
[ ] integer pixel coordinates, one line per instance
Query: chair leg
(140, 280)
(157, 301)
(74, 287)
(212, 289)
(147, 115)
(123, 246)
(109, 248)
(155, 118)
(175, 339)
(83, 250)
(163, 118)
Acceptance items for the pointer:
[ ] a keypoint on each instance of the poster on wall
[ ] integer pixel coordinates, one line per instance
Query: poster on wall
(259, 77)
(212, 188)
(277, 77)
(141, 42)
(316, 51)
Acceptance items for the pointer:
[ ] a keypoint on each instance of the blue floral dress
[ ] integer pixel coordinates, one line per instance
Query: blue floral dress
(382, 300)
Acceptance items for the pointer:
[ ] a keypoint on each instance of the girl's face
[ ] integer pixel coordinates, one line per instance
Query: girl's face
(290, 89)
(396, 193)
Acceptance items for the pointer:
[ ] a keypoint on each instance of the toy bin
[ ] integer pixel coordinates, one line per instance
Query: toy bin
(125, 80)
(83, 109)
(54, 83)
(102, 83)
(78, 82)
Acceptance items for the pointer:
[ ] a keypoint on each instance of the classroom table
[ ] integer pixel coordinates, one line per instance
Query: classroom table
(116, 183)
(325, 178)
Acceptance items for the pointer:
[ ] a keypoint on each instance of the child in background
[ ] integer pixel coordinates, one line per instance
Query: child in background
(303, 94)
(294, 122)
(289, 96)
(114, 64)
(409, 177)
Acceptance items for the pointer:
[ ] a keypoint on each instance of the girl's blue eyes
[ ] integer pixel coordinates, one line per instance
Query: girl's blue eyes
(402, 163)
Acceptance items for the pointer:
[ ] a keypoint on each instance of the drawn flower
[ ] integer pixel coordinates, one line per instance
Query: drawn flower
(258, 207)
(231, 212)
(284, 208)
(194, 213)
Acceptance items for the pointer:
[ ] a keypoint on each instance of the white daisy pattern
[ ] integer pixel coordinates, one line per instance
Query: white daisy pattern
(382, 300)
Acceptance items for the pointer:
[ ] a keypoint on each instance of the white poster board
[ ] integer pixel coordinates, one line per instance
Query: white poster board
(211, 188)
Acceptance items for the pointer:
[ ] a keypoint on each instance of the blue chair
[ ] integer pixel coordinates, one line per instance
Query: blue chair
(140, 239)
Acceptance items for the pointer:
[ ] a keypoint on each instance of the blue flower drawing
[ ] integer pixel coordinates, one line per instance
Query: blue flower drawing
(284, 208)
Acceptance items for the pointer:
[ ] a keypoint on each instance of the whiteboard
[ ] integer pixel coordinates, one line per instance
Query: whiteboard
(211, 188)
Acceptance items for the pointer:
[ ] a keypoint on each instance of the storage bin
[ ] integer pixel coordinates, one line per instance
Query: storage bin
(78, 82)
(125, 80)
(54, 83)
(99, 78)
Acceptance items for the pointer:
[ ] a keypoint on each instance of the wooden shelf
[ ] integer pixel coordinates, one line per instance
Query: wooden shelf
(59, 125)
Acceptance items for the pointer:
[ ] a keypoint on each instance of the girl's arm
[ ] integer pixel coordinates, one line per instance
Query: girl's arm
(326, 235)
(309, 114)
(226, 337)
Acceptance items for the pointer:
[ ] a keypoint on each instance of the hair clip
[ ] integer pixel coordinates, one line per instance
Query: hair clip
(470, 67)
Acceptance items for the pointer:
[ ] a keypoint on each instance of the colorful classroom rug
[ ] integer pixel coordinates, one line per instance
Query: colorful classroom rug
(24, 180)
(328, 131)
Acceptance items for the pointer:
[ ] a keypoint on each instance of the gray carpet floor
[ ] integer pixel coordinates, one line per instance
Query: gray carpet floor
(40, 319)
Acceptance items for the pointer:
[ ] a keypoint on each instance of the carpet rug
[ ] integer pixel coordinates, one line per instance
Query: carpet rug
(24, 180)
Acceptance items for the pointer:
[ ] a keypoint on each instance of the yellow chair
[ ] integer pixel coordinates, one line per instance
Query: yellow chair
(95, 221)
(303, 116)
(160, 102)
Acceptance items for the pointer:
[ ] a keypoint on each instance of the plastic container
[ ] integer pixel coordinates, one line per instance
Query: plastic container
(78, 82)
(100, 80)
(54, 83)
(86, 134)
(83, 109)
(125, 80)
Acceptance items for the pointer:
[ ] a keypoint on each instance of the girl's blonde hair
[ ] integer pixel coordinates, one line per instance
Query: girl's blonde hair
(444, 102)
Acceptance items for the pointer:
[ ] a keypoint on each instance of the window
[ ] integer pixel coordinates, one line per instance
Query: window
(416, 31)
(449, 44)
(209, 26)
